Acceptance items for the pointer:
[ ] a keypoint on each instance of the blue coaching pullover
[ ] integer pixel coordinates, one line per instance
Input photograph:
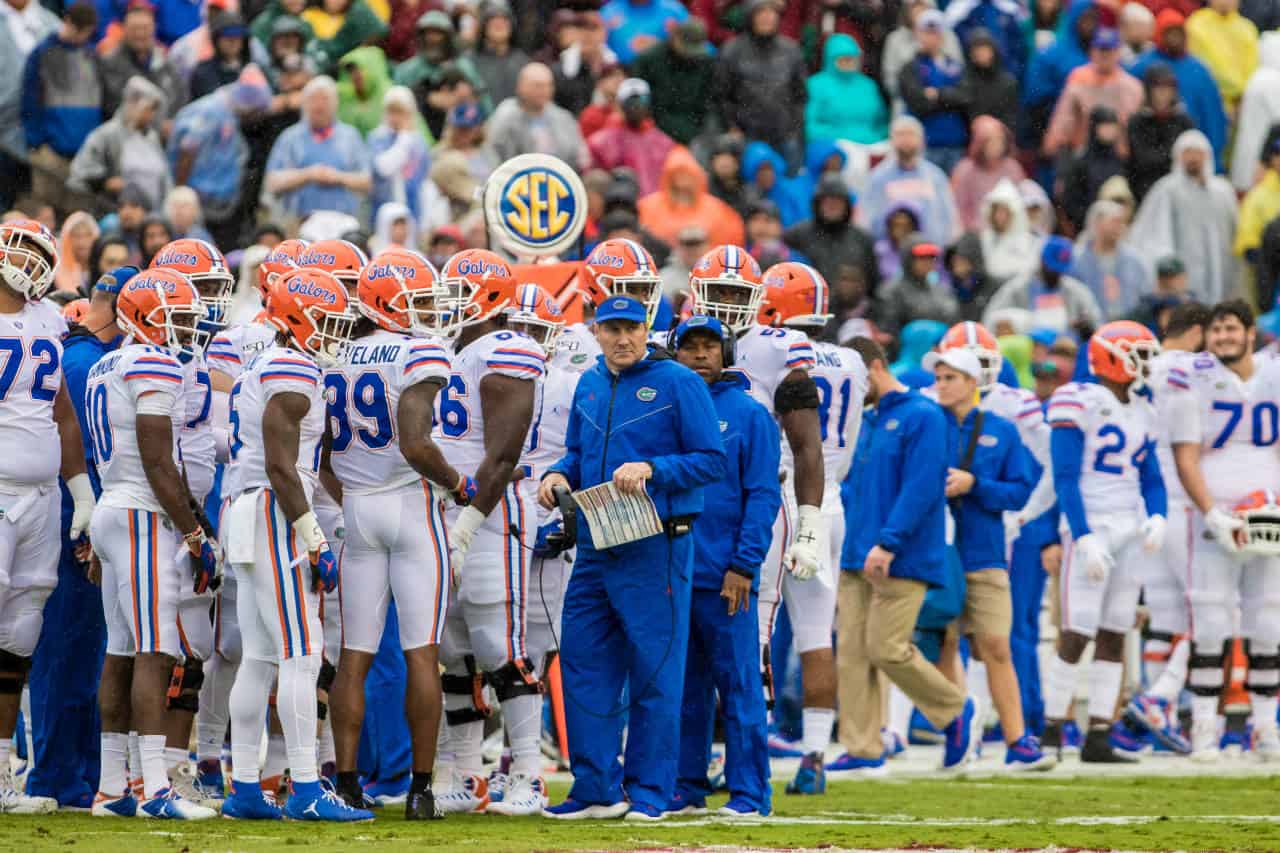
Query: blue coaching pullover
(1004, 473)
(736, 524)
(655, 411)
(897, 482)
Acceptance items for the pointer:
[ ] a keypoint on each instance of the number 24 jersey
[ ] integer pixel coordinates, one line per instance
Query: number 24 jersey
(1117, 437)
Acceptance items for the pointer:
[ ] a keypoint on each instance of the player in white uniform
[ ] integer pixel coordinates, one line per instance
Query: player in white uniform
(796, 300)
(41, 438)
(1166, 646)
(726, 284)
(136, 407)
(380, 407)
(1114, 507)
(483, 417)
(281, 557)
(1224, 427)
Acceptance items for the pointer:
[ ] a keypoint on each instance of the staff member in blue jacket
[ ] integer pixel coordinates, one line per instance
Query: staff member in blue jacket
(730, 542)
(894, 549)
(646, 424)
(67, 662)
(991, 472)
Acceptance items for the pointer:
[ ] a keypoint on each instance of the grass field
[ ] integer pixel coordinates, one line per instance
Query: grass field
(1114, 812)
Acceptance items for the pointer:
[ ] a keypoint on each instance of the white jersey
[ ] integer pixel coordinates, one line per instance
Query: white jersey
(1236, 423)
(272, 371)
(459, 416)
(116, 384)
(233, 348)
(767, 355)
(842, 383)
(546, 443)
(196, 439)
(576, 348)
(363, 397)
(1177, 363)
(30, 373)
(1117, 437)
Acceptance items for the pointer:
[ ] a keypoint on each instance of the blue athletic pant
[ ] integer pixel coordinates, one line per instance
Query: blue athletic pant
(1026, 587)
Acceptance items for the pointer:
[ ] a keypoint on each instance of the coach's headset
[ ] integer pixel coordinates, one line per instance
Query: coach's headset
(711, 326)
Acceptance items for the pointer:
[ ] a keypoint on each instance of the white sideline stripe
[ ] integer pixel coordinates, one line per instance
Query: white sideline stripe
(946, 823)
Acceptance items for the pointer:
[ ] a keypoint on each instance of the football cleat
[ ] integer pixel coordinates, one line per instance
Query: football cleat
(959, 734)
(524, 796)
(1097, 749)
(498, 782)
(209, 779)
(184, 780)
(852, 767)
(1152, 715)
(893, 743)
(247, 801)
(811, 776)
(574, 810)
(388, 792)
(738, 807)
(1072, 739)
(168, 804)
(465, 794)
(105, 805)
(1125, 738)
(1204, 741)
(311, 801)
(14, 801)
(645, 813)
(1235, 743)
(1025, 754)
(780, 747)
(421, 805)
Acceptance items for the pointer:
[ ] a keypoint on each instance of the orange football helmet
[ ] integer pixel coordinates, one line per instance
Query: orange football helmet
(342, 258)
(401, 291)
(280, 260)
(725, 283)
(73, 311)
(795, 294)
(1121, 351)
(161, 307)
(975, 338)
(28, 257)
(311, 307)
(536, 314)
(480, 285)
(1260, 512)
(621, 267)
(206, 268)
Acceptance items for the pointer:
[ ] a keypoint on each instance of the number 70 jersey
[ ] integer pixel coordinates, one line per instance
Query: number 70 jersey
(1117, 437)
(1236, 423)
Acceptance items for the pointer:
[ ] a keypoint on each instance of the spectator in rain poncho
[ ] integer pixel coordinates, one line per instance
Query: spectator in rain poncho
(127, 150)
(918, 337)
(1226, 41)
(967, 273)
(399, 152)
(989, 161)
(363, 81)
(1040, 213)
(1192, 213)
(1107, 264)
(1008, 246)
(844, 103)
(394, 226)
(1082, 173)
(1259, 110)
(765, 172)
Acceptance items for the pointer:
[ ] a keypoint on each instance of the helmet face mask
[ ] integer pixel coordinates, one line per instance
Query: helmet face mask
(161, 307)
(478, 285)
(215, 291)
(328, 343)
(1261, 516)
(734, 302)
(400, 291)
(645, 289)
(26, 265)
(535, 314)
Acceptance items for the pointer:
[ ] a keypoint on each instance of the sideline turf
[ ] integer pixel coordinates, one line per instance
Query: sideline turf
(1134, 813)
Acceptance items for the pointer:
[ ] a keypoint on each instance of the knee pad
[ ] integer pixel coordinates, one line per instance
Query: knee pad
(324, 683)
(1205, 676)
(515, 678)
(184, 686)
(1264, 673)
(13, 672)
(470, 685)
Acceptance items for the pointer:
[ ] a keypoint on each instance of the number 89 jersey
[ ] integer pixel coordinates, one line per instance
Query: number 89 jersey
(1236, 423)
(459, 418)
(363, 396)
(30, 373)
(1117, 437)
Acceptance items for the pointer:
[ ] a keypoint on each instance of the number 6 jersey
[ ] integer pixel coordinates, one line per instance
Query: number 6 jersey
(363, 396)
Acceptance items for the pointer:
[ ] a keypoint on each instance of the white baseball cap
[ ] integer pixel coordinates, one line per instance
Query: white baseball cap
(959, 358)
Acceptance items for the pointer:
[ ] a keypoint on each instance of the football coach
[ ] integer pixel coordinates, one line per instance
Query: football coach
(646, 424)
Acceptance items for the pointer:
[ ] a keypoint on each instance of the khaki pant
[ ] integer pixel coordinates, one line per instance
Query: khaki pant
(875, 623)
(988, 606)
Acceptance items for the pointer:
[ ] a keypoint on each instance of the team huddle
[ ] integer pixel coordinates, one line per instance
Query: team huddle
(380, 431)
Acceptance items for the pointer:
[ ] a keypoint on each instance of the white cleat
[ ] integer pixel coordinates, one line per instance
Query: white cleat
(168, 805)
(13, 801)
(465, 794)
(183, 780)
(1204, 741)
(524, 795)
(1266, 742)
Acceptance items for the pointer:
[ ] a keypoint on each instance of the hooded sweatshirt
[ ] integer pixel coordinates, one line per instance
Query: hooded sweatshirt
(789, 194)
(989, 90)
(642, 149)
(1000, 19)
(1259, 110)
(1194, 219)
(889, 253)
(418, 68)
(1014, 251)
(911, 297)
(1069, 125)
(844, 104)
(498, 71)
(1151, 135)
(387, 216)
(973, 291)
(832, 244)
(1196, 86)
(1117, 280)
(363, 111)
(1048, 71)
(663, 215)
(973, 177)
(117, 148)
(1083, 174)
(1228, 44)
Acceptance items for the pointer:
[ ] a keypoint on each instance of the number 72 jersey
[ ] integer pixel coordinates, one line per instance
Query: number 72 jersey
(1236, 424)
(1117, 437)
(30, 373)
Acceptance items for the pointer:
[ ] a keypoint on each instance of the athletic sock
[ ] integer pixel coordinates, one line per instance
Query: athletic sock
(174, 758)
(215, 708)
(462, 742)
(1104, 688)
(296, 705)
(155, 778)
(1173, 674)
(979, 690)
(6, 749)
(1264, 710)
(277, 758)
(900, 708)
(1204, 708)
(523, 717)
(326, 750)
(248, 709)
(817, 724)
(135, 757)
(113, 778)
(419, 783)
(1059, 687)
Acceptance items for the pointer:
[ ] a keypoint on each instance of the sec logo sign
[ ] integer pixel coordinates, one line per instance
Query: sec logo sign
(535, 205)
